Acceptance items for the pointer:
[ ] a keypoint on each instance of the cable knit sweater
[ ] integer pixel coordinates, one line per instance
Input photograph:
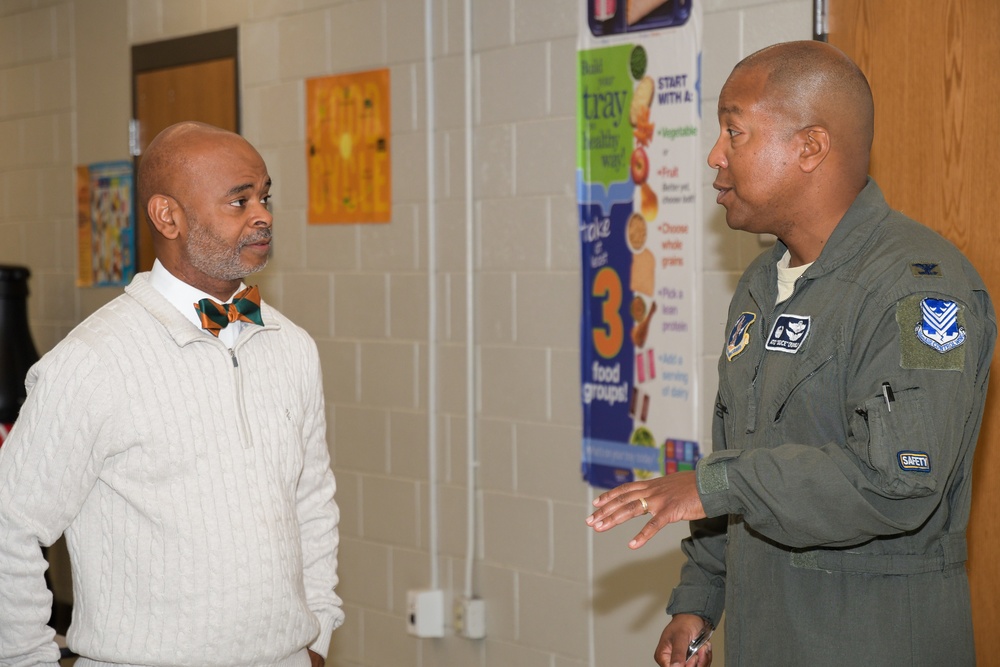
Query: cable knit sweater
(193, 484)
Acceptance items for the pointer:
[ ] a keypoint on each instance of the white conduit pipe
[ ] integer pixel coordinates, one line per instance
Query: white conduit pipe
(470, 313)
(432, 490)
(471, 458)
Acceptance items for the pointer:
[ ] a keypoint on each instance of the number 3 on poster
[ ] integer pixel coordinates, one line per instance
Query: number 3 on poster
(608, 339)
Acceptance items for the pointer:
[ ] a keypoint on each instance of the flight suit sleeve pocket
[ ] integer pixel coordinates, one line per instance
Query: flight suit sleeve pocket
(898, 443)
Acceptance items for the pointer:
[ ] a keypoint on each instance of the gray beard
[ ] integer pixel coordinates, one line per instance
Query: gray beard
(219, 262)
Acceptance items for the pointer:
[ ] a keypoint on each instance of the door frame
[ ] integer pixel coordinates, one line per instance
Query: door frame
(188, 50)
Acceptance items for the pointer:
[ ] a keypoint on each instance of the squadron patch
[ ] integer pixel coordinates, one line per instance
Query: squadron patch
(938, 326)
(914, 461)
(739, 337)
(788, 333)
(931, 333)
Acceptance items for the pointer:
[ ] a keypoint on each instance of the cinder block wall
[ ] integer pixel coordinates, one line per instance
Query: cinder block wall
(556, 595)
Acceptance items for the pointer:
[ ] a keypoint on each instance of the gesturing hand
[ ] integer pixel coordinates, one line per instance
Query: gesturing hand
(668, 499)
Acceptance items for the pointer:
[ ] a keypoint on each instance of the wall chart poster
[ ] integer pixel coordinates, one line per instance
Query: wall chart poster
(638, 193)
(347, 144)
(105, 224)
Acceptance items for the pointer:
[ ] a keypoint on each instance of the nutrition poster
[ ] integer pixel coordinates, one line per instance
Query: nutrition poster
(638, 192)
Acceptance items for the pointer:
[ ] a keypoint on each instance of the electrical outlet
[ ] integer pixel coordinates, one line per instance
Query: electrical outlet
(470, 618)
(425, 613)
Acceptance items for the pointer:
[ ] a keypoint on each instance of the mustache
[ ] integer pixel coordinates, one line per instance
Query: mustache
(256, 237)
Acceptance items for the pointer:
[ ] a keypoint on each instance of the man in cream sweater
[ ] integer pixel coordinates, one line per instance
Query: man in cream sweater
(187, 466)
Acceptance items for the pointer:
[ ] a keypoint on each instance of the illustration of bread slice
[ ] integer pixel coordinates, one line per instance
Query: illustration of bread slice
(643, 270)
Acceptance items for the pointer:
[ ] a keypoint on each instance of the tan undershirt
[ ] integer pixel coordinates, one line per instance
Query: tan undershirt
(787, 276)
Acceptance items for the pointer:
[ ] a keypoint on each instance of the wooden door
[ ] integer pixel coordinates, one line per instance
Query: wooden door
(190, 78)
(934, 69)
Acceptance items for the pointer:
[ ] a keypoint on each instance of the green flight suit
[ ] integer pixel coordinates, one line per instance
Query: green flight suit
(844, 433)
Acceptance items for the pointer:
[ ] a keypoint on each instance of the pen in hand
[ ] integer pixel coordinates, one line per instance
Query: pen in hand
(700, 640)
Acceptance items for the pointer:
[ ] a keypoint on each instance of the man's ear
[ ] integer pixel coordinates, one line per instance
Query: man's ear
(815, 147)
(163, 212)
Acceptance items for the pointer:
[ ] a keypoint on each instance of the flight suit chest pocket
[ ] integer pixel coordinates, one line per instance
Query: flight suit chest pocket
(894, 438)
(801, 401)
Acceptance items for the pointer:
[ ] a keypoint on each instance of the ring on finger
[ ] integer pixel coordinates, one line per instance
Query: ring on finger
(645, 505)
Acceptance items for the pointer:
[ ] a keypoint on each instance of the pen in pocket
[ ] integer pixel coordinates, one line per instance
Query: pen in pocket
(887, 393)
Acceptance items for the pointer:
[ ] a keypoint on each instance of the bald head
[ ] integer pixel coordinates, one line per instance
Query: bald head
(205, 192)
(170, 154)
(795, 134)
(814, 83)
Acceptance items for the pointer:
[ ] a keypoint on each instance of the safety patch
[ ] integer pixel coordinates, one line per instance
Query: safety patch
(938, 326)
(739, 337)
(914, 461)
(926, 269)
(788, 333)
(922, 344)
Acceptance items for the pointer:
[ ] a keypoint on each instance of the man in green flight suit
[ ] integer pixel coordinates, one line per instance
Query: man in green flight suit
(829, 521)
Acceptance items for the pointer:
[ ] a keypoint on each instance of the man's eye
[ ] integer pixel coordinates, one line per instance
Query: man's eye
(266, 200)
(731, 132)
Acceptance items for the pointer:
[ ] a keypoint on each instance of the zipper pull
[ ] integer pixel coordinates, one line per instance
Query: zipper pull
(233, 355)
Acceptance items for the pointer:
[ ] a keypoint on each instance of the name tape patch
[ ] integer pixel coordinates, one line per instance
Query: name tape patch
(914, 461)
(788, 333)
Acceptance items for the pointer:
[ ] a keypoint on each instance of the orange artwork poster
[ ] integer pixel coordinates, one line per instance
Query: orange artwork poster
(347, 148)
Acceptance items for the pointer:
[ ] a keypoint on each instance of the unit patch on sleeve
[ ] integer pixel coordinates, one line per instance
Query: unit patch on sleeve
(788, 333)
(939, 325)
(931, 333)
(739, 337)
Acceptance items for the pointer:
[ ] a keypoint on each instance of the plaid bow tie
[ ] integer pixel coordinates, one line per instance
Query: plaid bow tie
(245, 307)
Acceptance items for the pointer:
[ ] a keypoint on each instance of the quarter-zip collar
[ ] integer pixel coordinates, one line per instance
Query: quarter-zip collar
(177, 325)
